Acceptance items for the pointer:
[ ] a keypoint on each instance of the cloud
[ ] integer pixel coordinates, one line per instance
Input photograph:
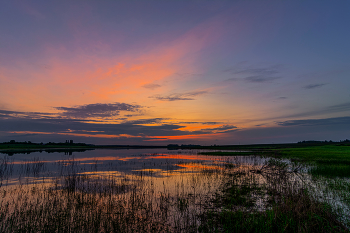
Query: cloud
(317, 122)
(148, 121)
(292, 133)
(256, 75)
(58, 128)
(312, 86)
(233, 79)
(272, 70)
(221, 129)
(345, 107)
(187, 74)
(339, 107)
(260, 79)
(151, 86)
(199, 122)
(179, 96)
(97, 110)
(32, 115)
(52, 128)
(72, 126)
(77, 112)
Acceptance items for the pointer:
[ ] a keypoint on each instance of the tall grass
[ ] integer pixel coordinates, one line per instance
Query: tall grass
(246, 194)
(288, 205)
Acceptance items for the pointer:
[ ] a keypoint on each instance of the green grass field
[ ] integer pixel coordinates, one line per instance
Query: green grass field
(328, 160)
(329, 153)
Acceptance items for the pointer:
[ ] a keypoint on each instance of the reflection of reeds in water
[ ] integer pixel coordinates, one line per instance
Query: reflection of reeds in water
(223, 197)
(6, 169)
(79, 201)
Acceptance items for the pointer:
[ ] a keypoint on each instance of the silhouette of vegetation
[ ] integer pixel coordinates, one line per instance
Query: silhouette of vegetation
(12, 147)
(300, 187)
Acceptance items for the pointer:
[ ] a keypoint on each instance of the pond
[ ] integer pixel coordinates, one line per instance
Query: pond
(42, 167)
(140, 190)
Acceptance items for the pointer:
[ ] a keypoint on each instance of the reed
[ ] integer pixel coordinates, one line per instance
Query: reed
(244, 194)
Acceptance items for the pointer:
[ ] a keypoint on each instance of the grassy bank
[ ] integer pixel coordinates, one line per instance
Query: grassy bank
(333, 153)
(328, 161)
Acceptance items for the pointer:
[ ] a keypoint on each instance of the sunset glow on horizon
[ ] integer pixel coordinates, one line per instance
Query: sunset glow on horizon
(186, 72)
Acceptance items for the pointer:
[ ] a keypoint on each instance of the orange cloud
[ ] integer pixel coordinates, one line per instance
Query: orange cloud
(78, 134)
(184, 137)
(84, 78)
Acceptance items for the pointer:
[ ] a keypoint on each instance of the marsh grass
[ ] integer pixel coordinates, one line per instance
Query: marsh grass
(78, 201)
(329, 167)
(288, 205)
(331, 170)
(6, 170)
(80, 212)
(295, 212)
(330, 154)
(79, 206)
(240, 195)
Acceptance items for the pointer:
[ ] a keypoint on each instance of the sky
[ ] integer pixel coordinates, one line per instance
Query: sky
(186, 72)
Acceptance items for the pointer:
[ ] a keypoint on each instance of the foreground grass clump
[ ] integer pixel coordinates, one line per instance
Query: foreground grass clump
(62, 211)
(296, 212)
(288, 206)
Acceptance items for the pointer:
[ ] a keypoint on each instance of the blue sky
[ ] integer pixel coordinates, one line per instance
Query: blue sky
(159, 72)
